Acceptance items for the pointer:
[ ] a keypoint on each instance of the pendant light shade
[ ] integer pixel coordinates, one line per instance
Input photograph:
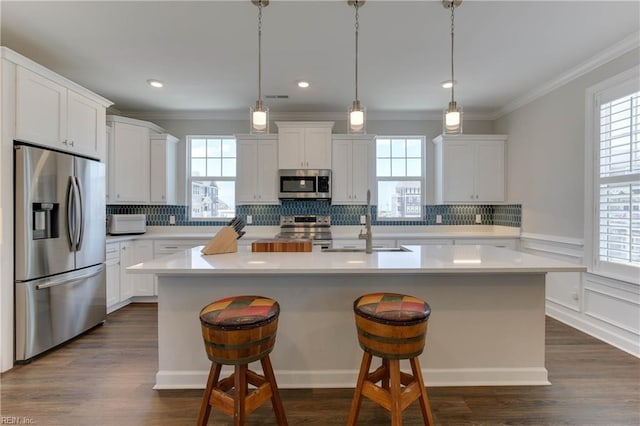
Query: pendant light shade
(357, 114)
(452, 117)
(258, 114)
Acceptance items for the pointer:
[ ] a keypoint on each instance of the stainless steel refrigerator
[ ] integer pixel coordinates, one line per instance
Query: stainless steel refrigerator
(60, 282)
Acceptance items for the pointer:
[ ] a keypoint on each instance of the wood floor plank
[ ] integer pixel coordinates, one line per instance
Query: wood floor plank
(105, 378)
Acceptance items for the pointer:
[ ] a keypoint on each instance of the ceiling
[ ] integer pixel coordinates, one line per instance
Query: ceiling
(206, 51)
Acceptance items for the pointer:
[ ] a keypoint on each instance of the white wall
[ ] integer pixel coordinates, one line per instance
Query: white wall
(546, 154)
(546, 174)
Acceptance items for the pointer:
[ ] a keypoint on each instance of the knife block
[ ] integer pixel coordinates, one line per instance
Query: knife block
(225, 241)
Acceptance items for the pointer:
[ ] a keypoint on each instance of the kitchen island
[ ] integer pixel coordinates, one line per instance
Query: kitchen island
(487, 325)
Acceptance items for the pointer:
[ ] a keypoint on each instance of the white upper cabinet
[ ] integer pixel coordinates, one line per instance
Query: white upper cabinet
(257, 179)
(470, 169)
(50, 114)
(129, 162)
(164, 169)
(352, 168)
(304, 144)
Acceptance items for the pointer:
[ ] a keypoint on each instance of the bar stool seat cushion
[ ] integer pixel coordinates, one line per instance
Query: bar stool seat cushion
(392, 308)
(240, 312)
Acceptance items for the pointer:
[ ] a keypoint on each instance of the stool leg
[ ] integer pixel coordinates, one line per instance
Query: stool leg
(396, 393)
(424, 399)
(365, 365)
(385, 377)
(205, 406)
(239, 395)
(267, 369)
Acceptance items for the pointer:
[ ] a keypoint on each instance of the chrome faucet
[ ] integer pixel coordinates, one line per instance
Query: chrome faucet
(367, 236)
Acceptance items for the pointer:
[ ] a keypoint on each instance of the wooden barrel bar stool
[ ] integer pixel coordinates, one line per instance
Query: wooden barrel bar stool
(392, 327)
(237, 331)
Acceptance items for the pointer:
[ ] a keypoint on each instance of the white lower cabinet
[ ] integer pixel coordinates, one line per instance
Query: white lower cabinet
(112, 264)
(131, 253)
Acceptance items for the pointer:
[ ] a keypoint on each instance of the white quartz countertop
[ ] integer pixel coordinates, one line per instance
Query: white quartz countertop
(420, 259)
(338, 232)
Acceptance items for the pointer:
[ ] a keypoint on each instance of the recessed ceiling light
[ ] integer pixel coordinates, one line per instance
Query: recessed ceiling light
(447, 84)
(155, 83)
(303, 84)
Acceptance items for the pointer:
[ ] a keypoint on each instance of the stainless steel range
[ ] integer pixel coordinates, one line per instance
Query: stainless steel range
(316, 228)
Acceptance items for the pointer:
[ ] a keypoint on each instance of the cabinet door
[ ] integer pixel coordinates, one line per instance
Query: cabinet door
(362, 170)
(341, 172)
(163, 169)
(130, 164)
(490, 172)
(267, 179)
(127, 258)
(113, 281)
(143, 284)
(291, 148)
(85, 126)
(41, 110)
(458, 173)
(247, 157)
(317, 148)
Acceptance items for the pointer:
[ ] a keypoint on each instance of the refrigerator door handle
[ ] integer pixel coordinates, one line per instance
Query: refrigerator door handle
(61, 281)
(71, 231)
(80, 216)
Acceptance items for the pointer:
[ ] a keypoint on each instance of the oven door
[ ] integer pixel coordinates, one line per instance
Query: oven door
(298, 187)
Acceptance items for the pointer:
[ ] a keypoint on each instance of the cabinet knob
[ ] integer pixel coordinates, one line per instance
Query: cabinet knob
(472, 197)
(163, 197)
(71, 143)
(64, 142)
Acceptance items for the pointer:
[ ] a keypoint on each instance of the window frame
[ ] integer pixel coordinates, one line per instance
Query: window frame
(189, 178)
(626, 82)
(421, 178)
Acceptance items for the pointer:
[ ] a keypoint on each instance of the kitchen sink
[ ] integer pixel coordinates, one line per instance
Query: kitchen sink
(361, 250)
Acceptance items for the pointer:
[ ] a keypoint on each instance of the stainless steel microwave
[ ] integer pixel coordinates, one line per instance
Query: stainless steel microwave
(307, 184)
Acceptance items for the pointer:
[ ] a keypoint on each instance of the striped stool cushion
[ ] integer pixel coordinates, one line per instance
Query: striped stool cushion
(240, 312)
(392, 308)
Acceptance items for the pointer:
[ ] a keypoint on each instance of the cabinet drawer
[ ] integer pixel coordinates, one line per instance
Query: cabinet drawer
(112, 251)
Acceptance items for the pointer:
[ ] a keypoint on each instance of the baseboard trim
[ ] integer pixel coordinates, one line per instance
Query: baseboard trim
(590, 326)
(289, 379)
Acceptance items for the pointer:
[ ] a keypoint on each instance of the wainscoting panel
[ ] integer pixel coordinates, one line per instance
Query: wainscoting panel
(604, 308)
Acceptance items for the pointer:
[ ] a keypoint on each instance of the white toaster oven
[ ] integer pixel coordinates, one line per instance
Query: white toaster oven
(127, 224)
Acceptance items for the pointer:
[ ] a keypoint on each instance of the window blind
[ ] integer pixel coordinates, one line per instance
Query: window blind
(619, 180)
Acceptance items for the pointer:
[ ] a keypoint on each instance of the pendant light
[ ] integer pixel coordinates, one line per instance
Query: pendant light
(356, 117)
(259, 115)
(452, 119)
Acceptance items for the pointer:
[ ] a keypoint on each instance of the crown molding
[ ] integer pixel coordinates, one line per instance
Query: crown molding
(626, 45)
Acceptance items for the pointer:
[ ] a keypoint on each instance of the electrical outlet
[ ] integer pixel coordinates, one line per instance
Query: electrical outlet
(363, 220)
(438, 218)
(249, 219)
(172, 220)
(478, 218)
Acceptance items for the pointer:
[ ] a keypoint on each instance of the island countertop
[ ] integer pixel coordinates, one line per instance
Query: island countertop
(425, 259)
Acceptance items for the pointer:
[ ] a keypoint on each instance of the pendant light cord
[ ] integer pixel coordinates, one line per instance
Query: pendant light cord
(356, 5)
(260, 51)
(452, 28)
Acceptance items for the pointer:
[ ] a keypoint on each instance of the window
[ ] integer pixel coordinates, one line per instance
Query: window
(211, 177)
(615, 193)
(399, 176)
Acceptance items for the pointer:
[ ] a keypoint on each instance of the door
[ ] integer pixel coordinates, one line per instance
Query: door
(490, 172)
(317, 148)
(90, 177)
(341, 172)
(247, 155)
(53, 310)
(85, 128)
(459, 172)
(43, 184)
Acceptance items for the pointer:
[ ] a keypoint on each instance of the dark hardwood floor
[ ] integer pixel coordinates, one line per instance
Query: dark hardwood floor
(105, 378)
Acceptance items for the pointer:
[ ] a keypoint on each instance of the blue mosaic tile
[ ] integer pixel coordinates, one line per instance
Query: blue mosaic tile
(269, 215)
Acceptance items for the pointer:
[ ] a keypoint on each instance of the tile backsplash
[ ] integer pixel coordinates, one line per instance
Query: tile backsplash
(269, 215)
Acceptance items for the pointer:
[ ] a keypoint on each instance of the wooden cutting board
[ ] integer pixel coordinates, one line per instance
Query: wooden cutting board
(273, 245)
